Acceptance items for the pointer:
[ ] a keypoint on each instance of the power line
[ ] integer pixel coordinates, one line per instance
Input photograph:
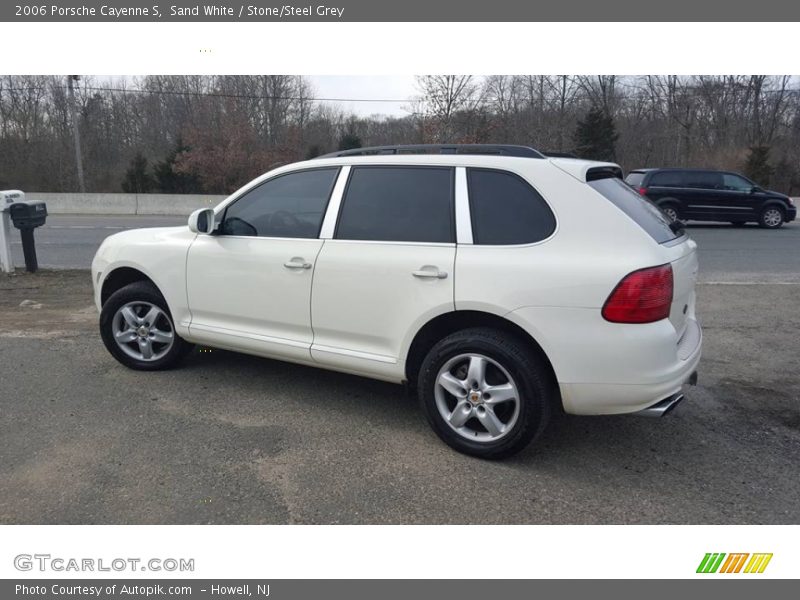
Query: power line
(209, 94)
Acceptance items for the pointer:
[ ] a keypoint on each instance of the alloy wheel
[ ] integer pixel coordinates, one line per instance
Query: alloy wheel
(143, 331)
(477, 397)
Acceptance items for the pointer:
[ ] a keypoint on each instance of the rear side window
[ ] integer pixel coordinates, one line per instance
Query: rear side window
(398, 204)
(506, 210)
(706, 180)
(634, 179)
(641, 210)
(667, 179)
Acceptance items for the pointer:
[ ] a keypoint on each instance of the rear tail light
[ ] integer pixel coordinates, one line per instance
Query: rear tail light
(643, 296)
(643, 191)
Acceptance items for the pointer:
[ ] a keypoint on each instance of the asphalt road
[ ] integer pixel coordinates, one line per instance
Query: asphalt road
(727, 254)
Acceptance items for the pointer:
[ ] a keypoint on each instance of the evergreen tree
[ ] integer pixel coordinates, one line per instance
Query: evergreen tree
(596, 136)
(170, 181)
(349, 141)
(137, 179)
(757, 166)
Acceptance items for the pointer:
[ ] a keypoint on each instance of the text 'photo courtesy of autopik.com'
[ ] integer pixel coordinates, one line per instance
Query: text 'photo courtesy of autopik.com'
(359, 299)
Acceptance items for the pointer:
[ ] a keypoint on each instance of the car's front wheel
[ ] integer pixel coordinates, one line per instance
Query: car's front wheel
(137, 329)
(771, 217)
(485, 392)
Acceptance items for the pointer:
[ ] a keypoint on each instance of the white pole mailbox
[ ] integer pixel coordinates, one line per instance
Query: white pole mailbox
(7, 198)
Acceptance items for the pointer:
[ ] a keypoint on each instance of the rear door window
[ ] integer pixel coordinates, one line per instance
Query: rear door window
(398, 204)
(505, 209)
(667, 179)
(704, 180)
(641, 210)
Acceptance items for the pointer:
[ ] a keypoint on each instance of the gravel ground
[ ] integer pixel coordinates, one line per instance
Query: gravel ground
(236, 439)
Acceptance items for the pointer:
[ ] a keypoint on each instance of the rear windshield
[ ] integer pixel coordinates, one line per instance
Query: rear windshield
(634, 179)
(646, 214)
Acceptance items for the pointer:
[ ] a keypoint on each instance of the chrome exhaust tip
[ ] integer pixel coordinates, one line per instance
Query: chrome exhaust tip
(661, 408)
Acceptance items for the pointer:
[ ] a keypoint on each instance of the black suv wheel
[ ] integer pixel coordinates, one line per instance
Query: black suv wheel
(771, 217)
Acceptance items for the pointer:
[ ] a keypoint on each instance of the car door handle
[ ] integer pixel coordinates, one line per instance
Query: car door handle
(430, 273)
(297, 263)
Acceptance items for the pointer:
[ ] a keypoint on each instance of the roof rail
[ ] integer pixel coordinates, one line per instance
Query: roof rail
(497, 149)
(559, 154)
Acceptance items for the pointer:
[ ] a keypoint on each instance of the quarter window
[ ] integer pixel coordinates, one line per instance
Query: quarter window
(288, 206)
(398, 204)
(506, 210)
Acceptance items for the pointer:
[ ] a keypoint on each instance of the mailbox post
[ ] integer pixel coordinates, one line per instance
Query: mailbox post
(7, 198)
(27, 216)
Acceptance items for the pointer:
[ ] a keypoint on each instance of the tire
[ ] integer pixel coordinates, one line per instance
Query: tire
(671, 211)
(148, 311)
(507, 360)
(771, 217)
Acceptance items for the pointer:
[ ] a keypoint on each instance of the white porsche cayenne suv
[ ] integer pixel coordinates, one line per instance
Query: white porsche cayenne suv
(501, 284)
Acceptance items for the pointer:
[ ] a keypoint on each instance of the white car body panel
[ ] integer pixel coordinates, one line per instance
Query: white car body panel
(358, 307)
(366, 300)
(159, 253)
(240, 291)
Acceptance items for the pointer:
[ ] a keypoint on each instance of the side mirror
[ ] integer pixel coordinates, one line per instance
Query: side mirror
(755, 189)
(202, 221)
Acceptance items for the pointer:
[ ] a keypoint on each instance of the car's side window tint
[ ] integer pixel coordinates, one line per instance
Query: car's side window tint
(398, 204)
(704, 180)
(736, 183)
(505, 209)
(667, 179)
(288, 206)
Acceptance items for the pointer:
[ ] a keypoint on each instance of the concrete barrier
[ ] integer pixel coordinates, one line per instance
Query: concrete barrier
(179, 205)
(124, 204)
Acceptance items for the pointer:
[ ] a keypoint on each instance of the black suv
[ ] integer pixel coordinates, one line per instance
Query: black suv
(705, 195)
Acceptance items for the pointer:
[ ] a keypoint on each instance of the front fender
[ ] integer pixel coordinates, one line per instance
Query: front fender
(160, 254)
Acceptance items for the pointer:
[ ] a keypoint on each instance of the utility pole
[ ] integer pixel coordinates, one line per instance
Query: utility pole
(76, 135)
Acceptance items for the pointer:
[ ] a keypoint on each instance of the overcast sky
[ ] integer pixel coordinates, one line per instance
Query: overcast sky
(377, 87)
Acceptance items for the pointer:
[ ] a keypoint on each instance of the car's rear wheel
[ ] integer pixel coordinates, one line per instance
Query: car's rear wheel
(137, 329)
(771, 217)
(485, 392)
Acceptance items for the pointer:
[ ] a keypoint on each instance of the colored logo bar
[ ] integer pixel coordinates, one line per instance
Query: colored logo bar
(737, 562)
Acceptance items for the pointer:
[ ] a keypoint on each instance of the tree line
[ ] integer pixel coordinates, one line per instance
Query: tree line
(211, 134)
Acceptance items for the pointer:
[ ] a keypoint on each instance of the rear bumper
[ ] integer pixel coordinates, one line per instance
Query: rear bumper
(667, 405)
(607, 368)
